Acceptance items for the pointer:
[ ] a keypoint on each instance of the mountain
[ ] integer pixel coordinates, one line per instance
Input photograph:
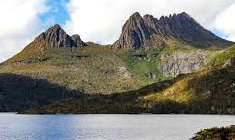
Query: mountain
(54, 37)
(57, 37)
(150, 32)
(59, 73)
(67, 61)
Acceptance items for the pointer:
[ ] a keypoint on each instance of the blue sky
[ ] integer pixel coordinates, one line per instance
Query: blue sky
(57, 13)
(220, 34)
(100, 21)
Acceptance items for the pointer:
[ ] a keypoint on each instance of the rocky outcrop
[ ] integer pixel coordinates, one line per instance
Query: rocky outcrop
(182, 62)
(135, 33)
(57, 37)
(122, 71)
(77, 41)
(148, 31)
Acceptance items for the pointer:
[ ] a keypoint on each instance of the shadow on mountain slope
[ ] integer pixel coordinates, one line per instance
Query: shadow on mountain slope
(19, 92)
(206, 92)
(210, 92)
(116, 103)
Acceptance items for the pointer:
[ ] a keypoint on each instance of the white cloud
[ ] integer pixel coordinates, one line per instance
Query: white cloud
(225, 22)
(19, 24)
(101, 20)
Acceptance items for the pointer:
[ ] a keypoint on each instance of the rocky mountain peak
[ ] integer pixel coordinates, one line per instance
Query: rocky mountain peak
(133, 22)
(135, 16)
(55, 28)
(78, 41)
(149, 32)
(135, 33)
(184, 14)
(57, 37)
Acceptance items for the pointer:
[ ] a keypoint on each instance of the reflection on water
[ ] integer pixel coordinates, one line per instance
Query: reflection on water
(106, 127)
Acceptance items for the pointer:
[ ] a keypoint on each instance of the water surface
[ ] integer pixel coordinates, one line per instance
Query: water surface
(106, 127)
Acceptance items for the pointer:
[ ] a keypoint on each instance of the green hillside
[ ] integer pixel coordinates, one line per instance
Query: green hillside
(91, 70)
(223, 57)
(207, 91)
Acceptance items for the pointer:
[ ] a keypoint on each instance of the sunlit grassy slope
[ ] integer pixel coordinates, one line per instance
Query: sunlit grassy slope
(220, 59)
(207, 84)
(92, 69)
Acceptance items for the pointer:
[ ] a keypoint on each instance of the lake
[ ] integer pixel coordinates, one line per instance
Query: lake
(106, 127)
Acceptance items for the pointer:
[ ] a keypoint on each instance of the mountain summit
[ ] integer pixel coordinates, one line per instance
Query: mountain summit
(54, 37)
(57, 37)
(148, 31)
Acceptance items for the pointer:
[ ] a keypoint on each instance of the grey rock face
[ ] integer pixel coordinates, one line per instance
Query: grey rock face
(182, 63)
(57, 37)
(135, 33)
(77, 41)
(148, 31)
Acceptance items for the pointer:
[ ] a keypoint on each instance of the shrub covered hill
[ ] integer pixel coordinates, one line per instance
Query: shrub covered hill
(223, 133)
(166, 65)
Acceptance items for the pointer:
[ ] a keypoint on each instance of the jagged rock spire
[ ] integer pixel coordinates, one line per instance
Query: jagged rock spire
(57, 37)
(135, 33)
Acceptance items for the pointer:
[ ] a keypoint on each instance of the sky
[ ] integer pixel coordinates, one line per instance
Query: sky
(100, 21)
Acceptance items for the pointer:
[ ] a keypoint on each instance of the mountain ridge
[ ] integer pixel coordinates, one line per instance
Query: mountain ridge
(148, 31)
(145, 32)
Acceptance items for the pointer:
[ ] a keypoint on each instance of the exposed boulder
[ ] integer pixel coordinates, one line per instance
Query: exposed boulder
(122, 71)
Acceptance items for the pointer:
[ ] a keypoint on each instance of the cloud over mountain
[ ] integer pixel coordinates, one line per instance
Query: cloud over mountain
(225, 22)
(19, 24)
(101, 21)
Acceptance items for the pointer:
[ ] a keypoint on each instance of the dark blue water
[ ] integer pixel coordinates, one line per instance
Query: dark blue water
(106, 127)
